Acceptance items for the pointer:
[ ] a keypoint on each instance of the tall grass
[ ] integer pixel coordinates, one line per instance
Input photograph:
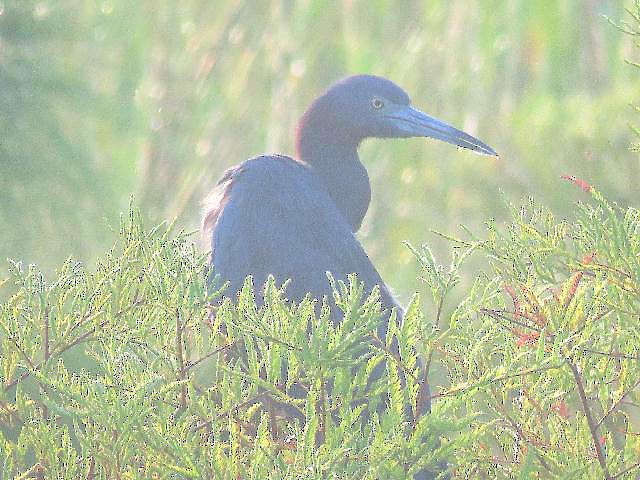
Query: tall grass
(103, 99)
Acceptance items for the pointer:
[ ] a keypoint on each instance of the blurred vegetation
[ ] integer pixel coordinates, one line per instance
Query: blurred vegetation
(102, 99)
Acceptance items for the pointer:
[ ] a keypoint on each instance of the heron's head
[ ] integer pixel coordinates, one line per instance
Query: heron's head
(365, 106)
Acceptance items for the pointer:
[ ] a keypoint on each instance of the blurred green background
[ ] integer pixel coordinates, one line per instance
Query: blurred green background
(102, 99)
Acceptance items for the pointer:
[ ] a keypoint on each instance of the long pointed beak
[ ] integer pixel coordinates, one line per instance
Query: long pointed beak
(414, 123)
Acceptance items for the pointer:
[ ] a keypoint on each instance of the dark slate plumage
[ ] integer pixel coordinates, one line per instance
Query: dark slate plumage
(296, 219)
(277, 218)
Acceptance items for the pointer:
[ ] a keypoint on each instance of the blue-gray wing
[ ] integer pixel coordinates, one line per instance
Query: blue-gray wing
(271, 215)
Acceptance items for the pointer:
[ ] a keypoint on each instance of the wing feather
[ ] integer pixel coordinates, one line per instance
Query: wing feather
(271, 215)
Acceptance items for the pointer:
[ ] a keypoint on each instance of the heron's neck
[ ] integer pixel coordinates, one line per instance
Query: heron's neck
(339, 168)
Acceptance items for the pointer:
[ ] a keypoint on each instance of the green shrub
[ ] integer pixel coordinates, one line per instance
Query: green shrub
(124, 372)
(545, 348)
(129, 371)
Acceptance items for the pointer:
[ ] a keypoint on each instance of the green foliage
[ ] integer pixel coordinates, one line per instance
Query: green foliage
(545, 346)
(132, 369)
(128, 372)
(135, 371)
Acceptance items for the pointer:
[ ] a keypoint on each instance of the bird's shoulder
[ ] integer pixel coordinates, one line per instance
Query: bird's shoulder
(273, 215)
(264, 164)
(256, 180)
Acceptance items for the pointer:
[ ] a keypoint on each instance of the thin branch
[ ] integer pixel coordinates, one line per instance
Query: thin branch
(228, 412)
(498, 315)
(615, 406)
(222, 348)
(626, 470)
(22, 352)
(424, 395)
(61, 350)
(377, 342)
(321, 411)
(45, 336)
(36, 471)
(91, 469)
(592, 425)
(180, 358)
(611, 354)
(439, 309)
(521, 433)
(592, 321)
(523, 373)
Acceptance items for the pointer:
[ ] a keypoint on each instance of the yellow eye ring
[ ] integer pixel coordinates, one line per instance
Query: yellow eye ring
(377, 103)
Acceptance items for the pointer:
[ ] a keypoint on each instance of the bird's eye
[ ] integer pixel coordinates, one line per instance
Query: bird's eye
(377, 103)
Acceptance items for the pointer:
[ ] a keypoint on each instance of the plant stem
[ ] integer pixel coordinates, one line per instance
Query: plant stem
(592, 425)
(64, 348)
(46, 353)
(180, 358)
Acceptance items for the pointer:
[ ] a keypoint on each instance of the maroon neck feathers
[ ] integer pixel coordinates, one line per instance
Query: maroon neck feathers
(332, 153)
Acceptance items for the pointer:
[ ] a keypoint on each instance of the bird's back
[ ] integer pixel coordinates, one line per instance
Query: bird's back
(272, 215)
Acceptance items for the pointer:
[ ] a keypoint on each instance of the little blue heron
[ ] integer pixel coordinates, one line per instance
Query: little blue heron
(296, 218)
